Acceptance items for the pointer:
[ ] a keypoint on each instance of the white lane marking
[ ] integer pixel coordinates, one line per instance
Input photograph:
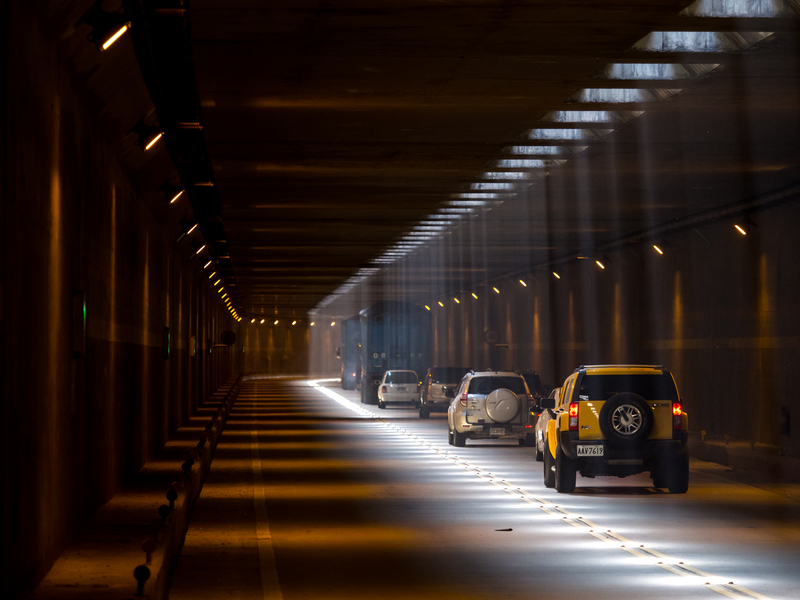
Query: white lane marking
(672, 565)
(270, 586)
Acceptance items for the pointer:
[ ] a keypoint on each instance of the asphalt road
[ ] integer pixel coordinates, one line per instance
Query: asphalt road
(315, 496)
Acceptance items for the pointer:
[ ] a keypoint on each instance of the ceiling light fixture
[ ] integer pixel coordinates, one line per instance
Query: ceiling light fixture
(107, 27)
(147, 135)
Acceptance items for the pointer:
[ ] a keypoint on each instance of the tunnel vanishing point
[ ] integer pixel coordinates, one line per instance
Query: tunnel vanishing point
(198, 190)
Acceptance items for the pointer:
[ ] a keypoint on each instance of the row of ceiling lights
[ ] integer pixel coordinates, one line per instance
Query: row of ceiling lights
(255, 321)
(107, 28)
(743, 227)
(509, 176)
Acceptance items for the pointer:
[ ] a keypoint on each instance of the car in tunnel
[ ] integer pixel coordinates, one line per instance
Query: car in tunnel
(398, 387)
(490, 405)
(617, 420)
(432, 395)
(547, 406)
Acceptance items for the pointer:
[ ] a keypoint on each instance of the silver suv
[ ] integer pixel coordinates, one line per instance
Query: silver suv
(490, 405)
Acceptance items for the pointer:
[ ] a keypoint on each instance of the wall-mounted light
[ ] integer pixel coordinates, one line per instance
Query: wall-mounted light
(107, 27)
(441, 303)
(252, 320)
(474, 295)
(217, 282)
(294, 322)
(311, 324)
(276, 322)
(427, 307)
(212, 275)
(333, 323)
(659, 248)
(147, 135)
(208, 264)
(744, 225)
(556, 275)
(457, 300)
(600, 263)
(523, 283)
(187, 227)
(496, 291)
(171, 192)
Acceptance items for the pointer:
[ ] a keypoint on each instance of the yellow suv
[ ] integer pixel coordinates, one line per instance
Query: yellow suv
(617, 420)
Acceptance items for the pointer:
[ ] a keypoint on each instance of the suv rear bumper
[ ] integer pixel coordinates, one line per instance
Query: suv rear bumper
(485, 430)
(622, 462)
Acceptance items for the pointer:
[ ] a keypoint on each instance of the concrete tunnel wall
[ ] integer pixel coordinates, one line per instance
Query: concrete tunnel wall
(720, 310)
(76, 223)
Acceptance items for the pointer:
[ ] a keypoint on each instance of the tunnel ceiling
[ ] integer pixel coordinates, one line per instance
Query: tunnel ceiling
(334, 128)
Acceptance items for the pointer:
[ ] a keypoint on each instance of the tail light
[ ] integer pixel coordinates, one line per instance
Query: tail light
(573, 416)
(677, 411)
(463, 399)
(384, 389)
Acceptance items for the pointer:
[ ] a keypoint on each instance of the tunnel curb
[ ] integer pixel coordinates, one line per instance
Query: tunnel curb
(742, 457)
(177, 524)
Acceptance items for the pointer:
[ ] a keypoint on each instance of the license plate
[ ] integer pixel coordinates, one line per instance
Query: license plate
(497, 431)
(590, 450)
(400, 389)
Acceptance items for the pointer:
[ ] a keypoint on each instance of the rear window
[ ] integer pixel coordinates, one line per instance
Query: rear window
(649, 387)
(486, 385)
(448, 374)
(401, 377)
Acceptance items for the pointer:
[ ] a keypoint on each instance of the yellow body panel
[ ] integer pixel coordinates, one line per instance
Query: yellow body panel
(552, 435)
(589, 420)
(623, 371)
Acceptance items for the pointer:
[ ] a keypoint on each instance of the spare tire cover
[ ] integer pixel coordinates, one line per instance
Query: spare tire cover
(502, 405)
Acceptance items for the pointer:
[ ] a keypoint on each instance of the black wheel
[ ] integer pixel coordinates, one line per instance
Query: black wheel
(626, 421)
(677, 475)
(424, 414)
(566, 471)
(539, 455)
(381, 404)
(459, 439)
(450, 437)
(549, 467)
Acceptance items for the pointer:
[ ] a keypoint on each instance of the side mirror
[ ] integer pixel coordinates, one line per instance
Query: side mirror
(543, 403)
(449, 393)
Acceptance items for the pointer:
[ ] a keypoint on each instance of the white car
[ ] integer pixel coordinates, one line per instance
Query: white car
(398, 387)
(490, 405)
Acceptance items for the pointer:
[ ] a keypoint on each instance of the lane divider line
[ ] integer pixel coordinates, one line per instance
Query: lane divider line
(270, 586)
(669, 564)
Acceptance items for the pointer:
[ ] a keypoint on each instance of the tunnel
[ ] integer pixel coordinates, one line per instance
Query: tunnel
(205, 202)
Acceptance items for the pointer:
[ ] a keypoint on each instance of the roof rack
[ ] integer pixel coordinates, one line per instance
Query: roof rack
(622, 365)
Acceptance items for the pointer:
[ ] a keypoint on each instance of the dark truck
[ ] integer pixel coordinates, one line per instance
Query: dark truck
(394, 335)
